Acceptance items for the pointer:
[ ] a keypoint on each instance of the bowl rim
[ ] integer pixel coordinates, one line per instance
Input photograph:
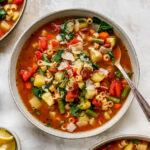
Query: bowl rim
(17, 140)
(19, 19)
(118, 137)
(59, 133)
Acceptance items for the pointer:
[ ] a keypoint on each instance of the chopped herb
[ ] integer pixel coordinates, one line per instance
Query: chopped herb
(45, 58)
(129, 74)
(63, 36)
(71, 35)
(3, 13)
(64, 74)
(84, 93)
(80, 96)
(62, 122)
(48, 125)
(63, 83)
(118, 74)
(112, 57)
(95, 66)
(37, 91)
(96, 20)
(31, 79)
(53, 31)
(61, 91)
(57, 58)
(135, 141)
(37, 112)
(41, 71)
(74, 110)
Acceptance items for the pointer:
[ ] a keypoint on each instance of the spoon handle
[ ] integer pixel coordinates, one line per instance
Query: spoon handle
(144, 105)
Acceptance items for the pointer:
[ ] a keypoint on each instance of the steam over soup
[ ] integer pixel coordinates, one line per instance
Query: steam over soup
(66, 75)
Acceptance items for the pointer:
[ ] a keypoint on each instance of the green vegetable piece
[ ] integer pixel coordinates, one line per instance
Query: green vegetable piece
(45, 58)
(114, 99)
(112, 57)
(74, 110)
(57, 58)
(64, 74)
(125, 92)
(129, 74)
(100, 41)
(129, 146)
(37, 91)
(63, 83)
(62, 91)
(81, 19)
(118, 74)
(61, 106)
(37, 112)
(48, 125)
(112, 41)
(91, 113)
(31, 79)
(96, 20)
(95, 66)
(1, 1)
(41, 71)
(135, 141)
(62, 122)
(105, 27)
(3, 13)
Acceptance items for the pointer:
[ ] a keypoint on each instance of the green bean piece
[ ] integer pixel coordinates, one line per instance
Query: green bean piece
(100, 41)
(61, 106)
(114, 99)
(91, 113)
(63, 83)
(45, 58)
(125, 92)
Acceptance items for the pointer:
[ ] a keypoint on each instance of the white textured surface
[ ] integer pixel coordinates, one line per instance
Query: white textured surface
(134, 17)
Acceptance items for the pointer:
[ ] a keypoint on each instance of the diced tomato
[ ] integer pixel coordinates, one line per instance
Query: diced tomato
(26, 74)
(71, 94)
(107, 44)
(104, 86)
(115, 88)
(53, 70)
(96, 103)
(42, 43)
(74, 41)
(18, 2)
(75, 71)
(117, 106)
(38, 55)
(104, 35)
(74, 87)
(28, 85)
(75, 119)
(85, 73)
(55, 27)
(55, 43)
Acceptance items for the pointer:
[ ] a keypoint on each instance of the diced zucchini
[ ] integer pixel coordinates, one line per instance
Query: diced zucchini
(83, 25)
(95, 55)
(85, 104)
(142, 146)
(35, 102)
(79, 65)
(47, 97)
(112, 41)
(83, 120)
(90, 94)
(129, 146)
(97, 77)
(39, 80)
(59, 76)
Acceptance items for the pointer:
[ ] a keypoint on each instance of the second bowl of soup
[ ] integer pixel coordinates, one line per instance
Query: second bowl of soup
(64, 75)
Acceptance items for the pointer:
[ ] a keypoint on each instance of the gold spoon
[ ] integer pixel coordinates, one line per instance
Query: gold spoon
(144, 105)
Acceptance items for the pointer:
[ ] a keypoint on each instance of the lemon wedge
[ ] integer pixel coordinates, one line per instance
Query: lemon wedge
(5, 136)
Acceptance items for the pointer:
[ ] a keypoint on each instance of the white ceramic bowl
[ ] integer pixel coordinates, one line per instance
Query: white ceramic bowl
(22, 10)
(111, 139)
(18, 145)
(23, 38)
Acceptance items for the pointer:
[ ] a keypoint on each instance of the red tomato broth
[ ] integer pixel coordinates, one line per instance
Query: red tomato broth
(27, 58)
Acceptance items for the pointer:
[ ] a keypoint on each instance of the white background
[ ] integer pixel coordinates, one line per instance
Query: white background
(134, 17)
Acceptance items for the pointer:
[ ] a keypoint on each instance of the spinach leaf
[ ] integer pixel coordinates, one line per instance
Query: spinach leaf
(62, 122)
(112, 57)
(64, 27)
(74, 110)
(96, 20)
(118, 74)
(45, 58)
(41, 71)
(80, 96)
(64, 74)
(31, 79)
(95, 66)
(135, 141)
(62, 91)
(48, 125)
(84, 92)
(57, 58)
(3, 13)
(71, 35)
(105, 27)
(37, 112)
(129, 74)
(37, 91)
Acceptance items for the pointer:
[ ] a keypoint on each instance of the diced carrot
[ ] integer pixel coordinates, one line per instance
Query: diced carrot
(28, 85)
(117, 106)
(74, 41)
(112, 88)
(55, 43)
(104, 35)
(53, 70)
(17, 2)
(92, 31)
(38, 55)
(118, 88)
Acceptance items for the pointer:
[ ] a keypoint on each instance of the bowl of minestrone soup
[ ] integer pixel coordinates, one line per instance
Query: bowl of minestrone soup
(124, 142)
(62, 74)
(10, 14)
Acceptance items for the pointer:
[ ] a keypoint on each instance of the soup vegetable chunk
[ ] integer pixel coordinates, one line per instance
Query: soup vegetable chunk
(66, 75)
(9, 13)
(126, 145)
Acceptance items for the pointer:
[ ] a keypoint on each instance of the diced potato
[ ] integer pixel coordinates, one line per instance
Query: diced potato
(95, 55)
(59, 76)
(106, 115)
(35, 102)
(81, 84)
(92, 121)
(83, 120)
(16, 16)
(97, 77)
(47, 97)
(14, 7)
(142, 146)
(79, 65)
(7, 7)
(90, 94)
(39, 80)
(85, 104)
(5, 26)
